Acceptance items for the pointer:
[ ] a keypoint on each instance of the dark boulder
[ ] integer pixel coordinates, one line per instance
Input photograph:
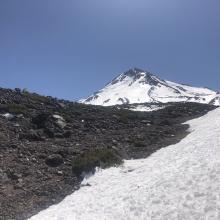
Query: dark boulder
(54, 160)
(52, 125)
(32, 135)
(41, 119)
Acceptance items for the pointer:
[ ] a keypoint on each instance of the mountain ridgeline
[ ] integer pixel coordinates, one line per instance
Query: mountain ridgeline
(139, 86)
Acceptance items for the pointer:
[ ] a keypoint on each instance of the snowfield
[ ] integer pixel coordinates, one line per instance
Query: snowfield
(179, 182)
(143, 108)
(138, 86)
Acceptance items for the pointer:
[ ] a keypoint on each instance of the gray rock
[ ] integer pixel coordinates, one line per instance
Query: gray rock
(54, 160)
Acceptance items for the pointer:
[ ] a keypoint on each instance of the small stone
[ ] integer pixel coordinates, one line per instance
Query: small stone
(20, 180)
(60, 173)
(54, 160)
(67, 134)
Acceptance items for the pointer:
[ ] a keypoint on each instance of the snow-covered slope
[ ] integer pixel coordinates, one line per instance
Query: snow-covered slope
(177, 182)
(144, 107)
(138, 86)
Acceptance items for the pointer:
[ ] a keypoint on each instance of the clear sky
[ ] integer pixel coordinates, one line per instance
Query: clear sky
(71, 48)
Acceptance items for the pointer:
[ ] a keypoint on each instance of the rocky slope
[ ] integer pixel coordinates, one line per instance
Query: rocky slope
(42, 137)
(178, 182)
(139, 86)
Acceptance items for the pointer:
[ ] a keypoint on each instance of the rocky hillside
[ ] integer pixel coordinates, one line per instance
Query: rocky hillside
(44, 142)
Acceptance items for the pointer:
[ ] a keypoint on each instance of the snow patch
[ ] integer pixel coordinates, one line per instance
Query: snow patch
(7, 115)
(143, 108)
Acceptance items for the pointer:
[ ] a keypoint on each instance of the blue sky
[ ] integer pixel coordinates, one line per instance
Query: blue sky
(71, 48)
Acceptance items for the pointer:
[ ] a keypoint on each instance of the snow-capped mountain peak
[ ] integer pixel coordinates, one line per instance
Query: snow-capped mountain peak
(136, 75)
(139, 86)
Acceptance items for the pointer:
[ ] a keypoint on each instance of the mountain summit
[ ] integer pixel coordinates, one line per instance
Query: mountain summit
(139, 86)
